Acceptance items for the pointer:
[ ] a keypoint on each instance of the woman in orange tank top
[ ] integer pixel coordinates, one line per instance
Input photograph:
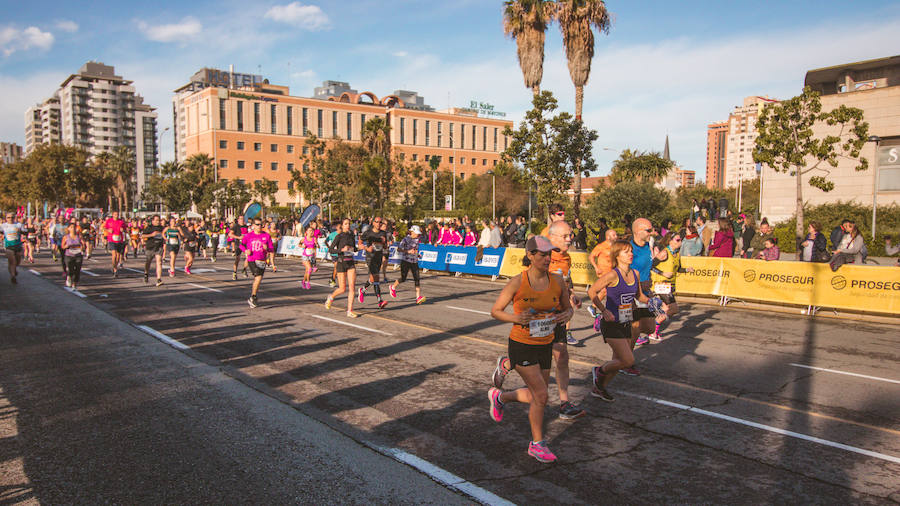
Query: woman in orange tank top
(540, 302)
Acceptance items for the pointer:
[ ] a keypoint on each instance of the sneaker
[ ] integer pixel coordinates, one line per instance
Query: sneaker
(252, 301)
(641, 340)
(146, 278)
(540, 452)
(592, 310)
(601, 394)
(307, 285)
(331, 283)
(631, 371)
(598, 323)
(187, 270)
(458, 274)
(13, 280)
(500, 371)
(158, 282)
(234, 276)
(68, 281)
(328, 302)
(274, 269)
(420, 300)
(351, 314)
(654, 337)
(382, 304)
(361, 295)
(496, 409)
(314, 269)
(115, 274)
(569, 411)
(597, 377)
(393, 291)
(171, 273)
(493, 277)
(570, 339)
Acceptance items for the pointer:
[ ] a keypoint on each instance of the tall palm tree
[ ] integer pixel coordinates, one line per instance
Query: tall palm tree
(122, 162)
(577, 19)
(376, 137)
(526, 21)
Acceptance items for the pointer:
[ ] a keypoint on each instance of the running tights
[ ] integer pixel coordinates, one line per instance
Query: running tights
(405, 268)
(73, 267)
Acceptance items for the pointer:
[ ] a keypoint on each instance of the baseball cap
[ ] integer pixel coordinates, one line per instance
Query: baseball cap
(540, 243)
(743, 215)
(415, 229)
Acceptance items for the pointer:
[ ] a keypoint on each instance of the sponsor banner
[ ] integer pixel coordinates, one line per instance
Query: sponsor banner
(430, 257)
(289, 245)
(582, 272)
(862, 288)
(456, 257)
(489, 265)
(394, 256)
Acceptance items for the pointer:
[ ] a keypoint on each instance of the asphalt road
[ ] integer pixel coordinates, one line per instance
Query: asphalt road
(727, 409)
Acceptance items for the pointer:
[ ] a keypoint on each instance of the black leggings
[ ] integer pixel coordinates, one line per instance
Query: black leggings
(73, 267)
(406, 267)
(214, 242)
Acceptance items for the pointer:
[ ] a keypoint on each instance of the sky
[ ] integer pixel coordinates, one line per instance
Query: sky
(665, 68)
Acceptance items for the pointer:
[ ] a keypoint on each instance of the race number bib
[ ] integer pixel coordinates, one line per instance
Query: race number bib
(74, 251)
(378, 247)
(541, 328)
(662, 288)
(116, 238)
(625, 313)
(173, 241)
(12, 237)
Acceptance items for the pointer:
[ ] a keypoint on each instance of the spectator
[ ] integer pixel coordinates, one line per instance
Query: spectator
(485, 240)
(454, 238)
(838, 233)
(665, 227)
(723, 243)
(496, 237)
(433, 234)
(850, 249)
(770, 251)
(509, 231)
(522, 232)
(758, 243)
(471, 238)
(695, 210)
(814, 248)
(890, 249)
(580, 235)
(600, 231)
(705, 234)
(748, 230)
(692, 244)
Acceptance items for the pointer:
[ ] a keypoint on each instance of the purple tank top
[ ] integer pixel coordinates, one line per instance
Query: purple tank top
(621, 294)
(74, 246)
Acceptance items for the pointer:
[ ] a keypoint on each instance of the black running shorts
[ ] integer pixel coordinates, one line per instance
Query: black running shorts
(118, 247)
(375, 261)
(255, 269)
(530, 354)
(346, 265)
(615, 330)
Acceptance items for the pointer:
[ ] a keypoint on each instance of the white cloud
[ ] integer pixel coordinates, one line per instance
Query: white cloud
(175, 32)
(13, 39)
(307, 17)
(400, 54)
(67, 26)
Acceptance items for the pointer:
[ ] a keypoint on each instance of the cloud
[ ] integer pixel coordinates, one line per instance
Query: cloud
(307, 17)
(400, 54)
(13, 39)
(175, 32)
(67, 26)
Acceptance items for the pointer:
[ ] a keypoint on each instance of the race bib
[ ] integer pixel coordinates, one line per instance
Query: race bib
(541, 328)
(173, 241)
(260, 263)
(192, 244)
(116, 238)
(74, 251)
(378, 247)
(662, 288)
(625, 313)
(13, 237)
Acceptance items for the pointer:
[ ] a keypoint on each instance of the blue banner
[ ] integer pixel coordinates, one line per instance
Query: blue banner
(431, 257)
(489, 265)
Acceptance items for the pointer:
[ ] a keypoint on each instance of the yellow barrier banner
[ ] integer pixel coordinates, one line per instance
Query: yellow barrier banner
(582, 271)
(862, 288)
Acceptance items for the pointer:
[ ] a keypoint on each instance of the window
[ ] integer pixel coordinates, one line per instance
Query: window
(290, 167)
(290, 121)
(241, 182)
(362, 122)
(495, 139)
(415, 132)
(240, 164)
(273, 148)
(349, 123)
(256, 116)
(462, 160)
(320, 130)
(222, 114)
(240, 115)
(305, 150)
(462, 175)
(451, 136)
(257, 165)
(473, 137)
(257, 146)
(427, 157)
(484, 161)
(334, 126)
(272, 117)
(505, 142)
(474, 160)
(440, 126)
(274, 165)
(223, 144)
(305, 121)
(305, 165)
(290, 148)
(495, 163)
(240, 145)
(223, 164)
(462, 136)
(427, 127)
(450, 160)
(290, 185)
(402, 130)
(415, 157)
(484, 138)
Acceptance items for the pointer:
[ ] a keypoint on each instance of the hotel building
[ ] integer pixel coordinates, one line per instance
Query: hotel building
(257, 130)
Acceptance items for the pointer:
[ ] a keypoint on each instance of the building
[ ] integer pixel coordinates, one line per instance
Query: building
(677, 177)
(874, 87)
(257, 130)
(589, 185)
(10, 152)
(685, 177)
(716, 144)
(98, 111)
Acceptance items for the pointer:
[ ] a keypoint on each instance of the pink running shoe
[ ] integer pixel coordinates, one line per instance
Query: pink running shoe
(314, 269)
(382, 304)
(362, 295)
(540, 452)
(496, 406)
(308, 286)
(187, 270)
(421, 299)
(393, 291)
(171, 273)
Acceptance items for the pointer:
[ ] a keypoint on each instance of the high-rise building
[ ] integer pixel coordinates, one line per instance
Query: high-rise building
(685, 177)
(98, 111)
(716, 143)
(730, 160)
(10, 152)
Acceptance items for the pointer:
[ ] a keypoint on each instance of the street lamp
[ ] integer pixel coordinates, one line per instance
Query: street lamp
(493, 195)
(877, 140)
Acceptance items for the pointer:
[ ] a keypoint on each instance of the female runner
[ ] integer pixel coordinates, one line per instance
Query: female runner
(173, 243)
(345, 245)
(308, 254)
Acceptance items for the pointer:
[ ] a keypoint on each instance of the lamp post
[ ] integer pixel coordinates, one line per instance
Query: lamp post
(493, 194)
(877, 140)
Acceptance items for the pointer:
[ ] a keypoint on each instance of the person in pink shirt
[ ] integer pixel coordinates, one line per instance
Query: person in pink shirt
(771, 252)
(454, 238)
(471, 238)
(257, 245)
(114, 229)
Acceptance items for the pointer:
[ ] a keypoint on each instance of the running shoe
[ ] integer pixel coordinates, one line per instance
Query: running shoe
(592, 310)
(393, 291)
(328, 302)
(569, 411)
(115, 274)
(331, 283)
(598, 323)
(597, 377)
(245, 273)
(361, 295)
(171, 273)
(382, 304)
(146, 278)
(351, 314)
(601, 394)
(496, 409)
(540, 452)
(187, 270)
(314, 269)
(158, 282)
(420, 300)
(631, 371)
(13, 280)
(274, 269)
(500, 371)
(570, 339)
(234, 276)
(641, 340)
(68, 281)
(654, 337)
(252, 301)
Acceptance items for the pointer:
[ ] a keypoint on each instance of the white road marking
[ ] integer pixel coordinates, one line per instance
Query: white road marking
(469, 310)
(89, 273)
(833, 444)
(164, 338)
(36, 273)
(133, 270)
(443, 476)
(350, 324)
(202, 270)
(76, 292)
(205, 287)
(847, 373)
(318, 284)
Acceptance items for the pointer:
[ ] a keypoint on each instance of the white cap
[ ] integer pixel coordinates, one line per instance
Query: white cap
(415, 229)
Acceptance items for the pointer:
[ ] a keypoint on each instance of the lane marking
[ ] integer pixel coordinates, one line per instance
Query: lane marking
(847, 373)
(443, 476)
(89, 273)
(36, 273)
(470, 310)
(319, 284)
(202, 269)
(741, 421)
(164, 338)
(76, 292)
(351, 325)
(133, 270)
(205, 287)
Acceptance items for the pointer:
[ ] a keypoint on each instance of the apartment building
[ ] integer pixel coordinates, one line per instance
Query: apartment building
(42, 124)
(10, 152)
(729, 145)
(716, 144)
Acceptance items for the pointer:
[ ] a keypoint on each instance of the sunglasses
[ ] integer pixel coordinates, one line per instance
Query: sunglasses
(561, 213)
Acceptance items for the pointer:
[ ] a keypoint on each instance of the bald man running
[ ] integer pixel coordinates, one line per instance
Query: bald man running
(643, 323)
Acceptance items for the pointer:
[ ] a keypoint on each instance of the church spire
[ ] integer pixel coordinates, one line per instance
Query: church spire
(666, 150)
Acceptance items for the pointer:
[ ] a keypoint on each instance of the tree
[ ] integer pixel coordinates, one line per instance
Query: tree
(526, 22)
(550, 149)
(234, 195)
(407, 183)
(641, 166)
(121, 163)
(787, 142)
(637, 198)
(577, 19)
(265, 189)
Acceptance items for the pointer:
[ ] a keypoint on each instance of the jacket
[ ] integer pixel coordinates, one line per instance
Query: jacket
(723, 244)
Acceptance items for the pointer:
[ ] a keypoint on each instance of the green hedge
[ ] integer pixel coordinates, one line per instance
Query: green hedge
(831, 215)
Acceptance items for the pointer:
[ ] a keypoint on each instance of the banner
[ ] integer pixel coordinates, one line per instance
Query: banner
(430, 258)
(862, 288)
(581, 271)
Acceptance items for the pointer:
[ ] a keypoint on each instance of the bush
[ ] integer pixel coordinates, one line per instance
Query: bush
(630, 197)
(831, 215)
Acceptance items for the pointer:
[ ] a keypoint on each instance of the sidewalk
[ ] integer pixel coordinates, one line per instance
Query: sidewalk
(93, 410)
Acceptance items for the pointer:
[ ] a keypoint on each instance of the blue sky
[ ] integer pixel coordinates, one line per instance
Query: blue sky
(666, 68)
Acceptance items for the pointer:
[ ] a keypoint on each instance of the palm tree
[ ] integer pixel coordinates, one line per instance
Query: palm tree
(376, 137)
(577, 19)
(122, 162)
(526, 21)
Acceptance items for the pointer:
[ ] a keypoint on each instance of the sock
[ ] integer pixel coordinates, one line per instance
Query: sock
(367, 285)
(657, 330)
(378, 290)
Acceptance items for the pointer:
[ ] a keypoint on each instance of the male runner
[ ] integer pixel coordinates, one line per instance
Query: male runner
(237, 231)
(600, 260)
(643, 323)
(257, 243)
(153, 247)
(114, 229)
(12, 241)
(87, 236)
(374, 241)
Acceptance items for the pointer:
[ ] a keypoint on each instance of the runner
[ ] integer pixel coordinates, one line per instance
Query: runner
(87, 236)
(644, 321)
(373, 241)
(346, 267)
(666, 267)
(409, 262)
(275, 236)
(12, 242)
(135, 235)
(333, 254)
(55, 233)
(599, 258)
(257, 244)
(308, 253)
(202, 230)
(153, 247)
(388, 230)
(540, 304)
(72, 246)
(238, 229)
(173, 243)
(191, 243)
(616, 292)
(317, 232)
(114, 230)
(214, 230)
(31, 239)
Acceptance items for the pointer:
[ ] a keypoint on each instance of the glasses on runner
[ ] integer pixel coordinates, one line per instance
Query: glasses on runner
(561, 213)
